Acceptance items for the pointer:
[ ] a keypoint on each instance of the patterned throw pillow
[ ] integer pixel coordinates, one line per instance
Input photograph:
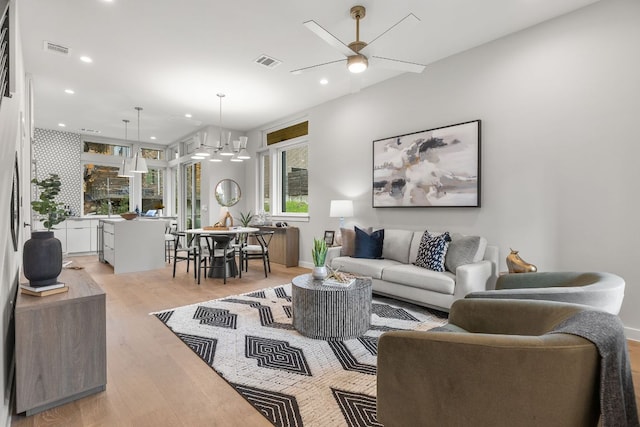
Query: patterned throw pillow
(432, 251)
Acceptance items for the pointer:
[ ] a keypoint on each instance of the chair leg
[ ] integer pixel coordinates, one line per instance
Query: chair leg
(264, 262)
(174, 266)
(268, 261)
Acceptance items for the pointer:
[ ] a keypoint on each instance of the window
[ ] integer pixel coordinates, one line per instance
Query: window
(150, 153)
(152, 189)
(285, 179)
(107, 149)
(192, 195)
(103, 191)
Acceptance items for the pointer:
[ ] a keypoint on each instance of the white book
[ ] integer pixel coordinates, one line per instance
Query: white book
(42, 288)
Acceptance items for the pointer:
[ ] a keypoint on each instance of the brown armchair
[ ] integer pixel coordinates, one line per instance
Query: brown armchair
(495, 366)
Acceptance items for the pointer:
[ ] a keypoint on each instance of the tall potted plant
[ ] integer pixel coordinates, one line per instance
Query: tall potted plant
(319, 255)
(42, 255)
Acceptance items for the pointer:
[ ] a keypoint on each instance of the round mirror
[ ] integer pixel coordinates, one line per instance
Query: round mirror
(227, 192)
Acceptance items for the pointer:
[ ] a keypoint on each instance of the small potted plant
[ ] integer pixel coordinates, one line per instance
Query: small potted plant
(246, 218)
(42, 254)
(319, 255)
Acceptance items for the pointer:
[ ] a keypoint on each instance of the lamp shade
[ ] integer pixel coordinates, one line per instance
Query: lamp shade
(341, 208)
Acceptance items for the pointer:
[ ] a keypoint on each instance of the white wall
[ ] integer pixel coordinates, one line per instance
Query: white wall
(11, 141)
(560, 149)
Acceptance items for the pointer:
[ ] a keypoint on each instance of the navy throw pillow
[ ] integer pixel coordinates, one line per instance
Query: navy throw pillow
(368, 245)
(432, 251)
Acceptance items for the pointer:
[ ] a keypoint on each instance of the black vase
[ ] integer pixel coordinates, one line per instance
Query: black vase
(42, 259)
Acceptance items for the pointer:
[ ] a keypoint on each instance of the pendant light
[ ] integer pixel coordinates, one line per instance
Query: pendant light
(139, 163)
(200, 140)
(243, 154)
(125, 167)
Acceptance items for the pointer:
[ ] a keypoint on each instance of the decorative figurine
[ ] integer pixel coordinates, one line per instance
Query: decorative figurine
(518, 265)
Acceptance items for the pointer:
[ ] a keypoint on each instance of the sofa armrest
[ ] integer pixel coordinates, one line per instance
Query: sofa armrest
(332, 252)
(479, 379)
(473, 277)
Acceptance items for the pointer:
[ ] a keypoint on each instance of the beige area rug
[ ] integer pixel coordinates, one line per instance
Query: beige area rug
(292, 380)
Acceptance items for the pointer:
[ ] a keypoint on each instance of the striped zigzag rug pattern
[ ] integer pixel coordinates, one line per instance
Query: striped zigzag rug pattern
(292, 380)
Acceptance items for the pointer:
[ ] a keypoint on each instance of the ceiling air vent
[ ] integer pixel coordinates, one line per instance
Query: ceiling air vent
(267, 61)
(88, 130)
(56, 48)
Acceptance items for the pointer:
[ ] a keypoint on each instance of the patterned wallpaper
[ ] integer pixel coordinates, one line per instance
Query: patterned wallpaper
(59, 152)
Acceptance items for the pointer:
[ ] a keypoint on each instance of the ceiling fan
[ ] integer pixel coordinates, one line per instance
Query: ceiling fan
(357, 52)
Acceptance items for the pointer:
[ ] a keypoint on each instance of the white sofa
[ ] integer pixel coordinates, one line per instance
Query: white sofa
(397, 277)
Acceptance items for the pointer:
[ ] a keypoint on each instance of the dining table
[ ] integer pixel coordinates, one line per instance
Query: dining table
(232, 232)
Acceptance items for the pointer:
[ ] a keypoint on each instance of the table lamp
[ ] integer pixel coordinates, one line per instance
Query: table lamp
(341, 209)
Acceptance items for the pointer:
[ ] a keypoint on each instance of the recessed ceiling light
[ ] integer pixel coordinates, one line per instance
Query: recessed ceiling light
(188, 116)
(86, 59)
(62, 125)
(197, 157)
(152, 137)
(69, 91)
(324, 81)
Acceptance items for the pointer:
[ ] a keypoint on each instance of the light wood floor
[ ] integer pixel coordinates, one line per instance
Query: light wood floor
(153, 379)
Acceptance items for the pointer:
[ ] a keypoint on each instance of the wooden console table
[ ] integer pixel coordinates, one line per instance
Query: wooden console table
(61, 343)
(284, 246)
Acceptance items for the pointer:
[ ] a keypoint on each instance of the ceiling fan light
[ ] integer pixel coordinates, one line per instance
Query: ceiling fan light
(357, 63)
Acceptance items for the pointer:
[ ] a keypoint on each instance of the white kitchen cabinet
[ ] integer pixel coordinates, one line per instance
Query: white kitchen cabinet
(78, 236)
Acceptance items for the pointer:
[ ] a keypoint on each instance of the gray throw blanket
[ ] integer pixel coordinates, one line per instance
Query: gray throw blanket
(605, 330)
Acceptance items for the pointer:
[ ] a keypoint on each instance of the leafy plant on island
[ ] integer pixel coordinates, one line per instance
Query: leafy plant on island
(319, 252)
(51, 211)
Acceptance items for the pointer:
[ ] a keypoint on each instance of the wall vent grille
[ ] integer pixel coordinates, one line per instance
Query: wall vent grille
(267, 61)
(56, 48)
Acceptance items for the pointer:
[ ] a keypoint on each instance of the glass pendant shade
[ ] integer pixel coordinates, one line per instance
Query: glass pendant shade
(125, 167)
(139, 164)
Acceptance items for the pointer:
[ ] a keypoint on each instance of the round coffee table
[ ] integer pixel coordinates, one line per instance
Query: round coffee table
(331, 312)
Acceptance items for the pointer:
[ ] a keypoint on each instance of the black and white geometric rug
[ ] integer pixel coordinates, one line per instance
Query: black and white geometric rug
(292, 380)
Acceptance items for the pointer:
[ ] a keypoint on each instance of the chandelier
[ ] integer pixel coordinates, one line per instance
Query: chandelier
(235, 151)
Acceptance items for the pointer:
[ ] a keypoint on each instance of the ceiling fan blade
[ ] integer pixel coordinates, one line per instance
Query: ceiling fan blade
(329, 38)
(305, 69)
(408, 21)
(396, 64)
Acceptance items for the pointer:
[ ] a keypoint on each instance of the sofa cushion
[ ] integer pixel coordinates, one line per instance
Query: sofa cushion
(368, 245)
(415, 244)
(348, 236)
(418, 277)
(396, 245)
(432, 251)
(464, 250)
(362, 266)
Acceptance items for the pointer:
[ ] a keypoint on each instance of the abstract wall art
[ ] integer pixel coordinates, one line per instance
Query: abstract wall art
(432, 168)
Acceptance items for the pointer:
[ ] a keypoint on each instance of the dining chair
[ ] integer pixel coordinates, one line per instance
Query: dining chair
(258, 251)
(218, 252)
(169, 239)
(184, 249)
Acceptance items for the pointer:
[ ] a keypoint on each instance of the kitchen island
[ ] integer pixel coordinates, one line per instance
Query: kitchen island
(135, 245)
